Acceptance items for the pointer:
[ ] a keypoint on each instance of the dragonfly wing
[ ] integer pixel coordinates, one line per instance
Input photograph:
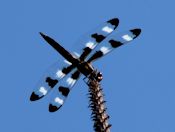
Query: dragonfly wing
(88, 43)
(61, 92)
(50, 79)
(59, 48)
(115, 40)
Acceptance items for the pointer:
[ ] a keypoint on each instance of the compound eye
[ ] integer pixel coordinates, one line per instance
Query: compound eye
(100, 78)
(99, 74)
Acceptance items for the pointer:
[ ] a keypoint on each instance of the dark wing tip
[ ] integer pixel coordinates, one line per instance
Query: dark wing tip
(136, 31)
(53, 108)
(34, 97)
(114, 21)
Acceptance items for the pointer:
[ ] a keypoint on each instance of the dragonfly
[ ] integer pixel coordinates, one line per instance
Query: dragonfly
(101, 41)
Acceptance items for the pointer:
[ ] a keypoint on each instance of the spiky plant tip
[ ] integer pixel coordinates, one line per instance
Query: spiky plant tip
(97, 106)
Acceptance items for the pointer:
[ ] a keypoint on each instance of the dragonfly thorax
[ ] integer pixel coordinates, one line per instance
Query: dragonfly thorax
(85, 68)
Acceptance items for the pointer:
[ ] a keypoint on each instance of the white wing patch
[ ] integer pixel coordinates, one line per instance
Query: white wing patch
(43, 90)
(71, 81)
(76, 54)
(107, 29)
(90, 44)
(104, 49)
(59, 101)
(60, 74)
(67, 62)
(127, 37)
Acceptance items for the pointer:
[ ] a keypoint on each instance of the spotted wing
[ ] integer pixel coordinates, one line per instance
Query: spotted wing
(94, 37)
(50, 79)
(115, 40)
(62, 91)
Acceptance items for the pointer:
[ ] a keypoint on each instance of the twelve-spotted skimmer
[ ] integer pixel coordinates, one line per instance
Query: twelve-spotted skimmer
(62, 79)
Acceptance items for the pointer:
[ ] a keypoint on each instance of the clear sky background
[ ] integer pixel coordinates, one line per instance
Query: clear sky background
(138, 79)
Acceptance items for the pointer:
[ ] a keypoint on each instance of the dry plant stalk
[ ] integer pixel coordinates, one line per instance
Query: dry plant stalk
(97, 106)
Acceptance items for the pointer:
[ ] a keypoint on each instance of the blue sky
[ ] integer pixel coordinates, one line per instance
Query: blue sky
(138, 78)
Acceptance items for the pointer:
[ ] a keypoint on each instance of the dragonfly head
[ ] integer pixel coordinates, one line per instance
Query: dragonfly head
(99, 76)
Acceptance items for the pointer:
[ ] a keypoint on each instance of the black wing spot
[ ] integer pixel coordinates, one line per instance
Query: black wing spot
(64, 90)
(53, 108)
(97, 55)
(51, 82)
(114, 22)
(115, 44)
(86, 51)
(66, 70)
(34, 97)
(136, 32)
(97, 37)
(75, 75)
